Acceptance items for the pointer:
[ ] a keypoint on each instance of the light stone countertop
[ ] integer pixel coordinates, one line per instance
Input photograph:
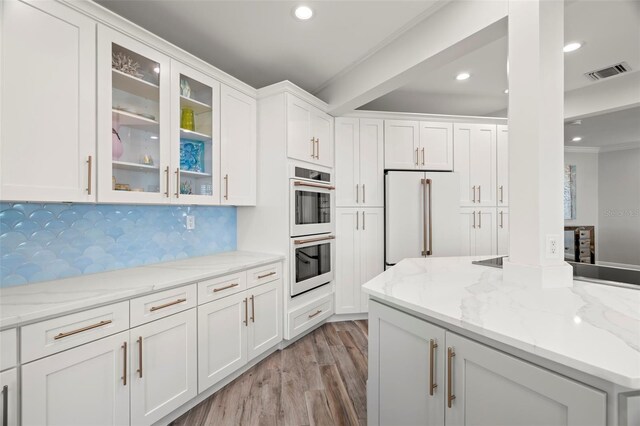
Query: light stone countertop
(29, 303)
(593, 328)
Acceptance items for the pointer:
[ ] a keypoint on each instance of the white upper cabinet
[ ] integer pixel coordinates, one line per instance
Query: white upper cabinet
(309, 133)
(195, 136)
(436, 146)
(475, 162)
(418, 145)
(401, 144)
(48, 83)
(359, 162)
(503, 165)
(238, 126)
(133, 121)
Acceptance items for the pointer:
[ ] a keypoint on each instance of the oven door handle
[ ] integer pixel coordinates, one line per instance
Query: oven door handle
(313, 185)
(313, 240)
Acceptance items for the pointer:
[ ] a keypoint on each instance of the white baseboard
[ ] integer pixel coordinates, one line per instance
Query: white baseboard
(348, 317)
(619, 265)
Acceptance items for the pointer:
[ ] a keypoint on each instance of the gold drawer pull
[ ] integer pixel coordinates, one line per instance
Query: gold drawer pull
(316, 313)
(266, 275)
(215, 290)
(175, 302)
(80, 330)
(432, 384)
(124, 373)
(139, 371)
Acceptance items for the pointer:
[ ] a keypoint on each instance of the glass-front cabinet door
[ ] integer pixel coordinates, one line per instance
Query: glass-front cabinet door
(133, 121)
(195, 130)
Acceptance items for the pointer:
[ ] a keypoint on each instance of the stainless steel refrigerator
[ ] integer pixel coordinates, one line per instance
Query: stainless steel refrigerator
(422, 211)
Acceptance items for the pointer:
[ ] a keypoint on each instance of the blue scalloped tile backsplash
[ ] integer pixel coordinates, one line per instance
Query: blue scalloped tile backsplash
(41, 242)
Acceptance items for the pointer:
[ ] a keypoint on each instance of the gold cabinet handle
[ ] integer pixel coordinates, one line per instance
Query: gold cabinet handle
(479, 194)
(501, 193)
(357, 193)
(266, 275)
(253, 308)
(317, 149)
(5, 405)
(423, 156)
(450, 395)
(139, 371)
(417, 156)
(226, 187)
(80, 330)
(363, 194)
(313, 147)
(124, 368)
(501, 219)
(215, 290)
(178, 182)
(474, 219)
(432, 384)
(313, 240)
(364, 225)
(357, 221)
(315, 314)
(168, 184)
(313, 185)
(479, 219)
(89, 165)
(246, 312)
(473, 188)
(166, 305)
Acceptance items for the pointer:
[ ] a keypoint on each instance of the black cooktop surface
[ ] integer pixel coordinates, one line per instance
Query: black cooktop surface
(585, 270)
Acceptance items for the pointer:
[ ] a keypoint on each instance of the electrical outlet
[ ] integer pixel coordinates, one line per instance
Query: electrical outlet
(553, 246)
(191, 222)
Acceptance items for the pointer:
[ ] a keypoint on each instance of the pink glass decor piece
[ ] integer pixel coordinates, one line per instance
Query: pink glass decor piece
(117, 148)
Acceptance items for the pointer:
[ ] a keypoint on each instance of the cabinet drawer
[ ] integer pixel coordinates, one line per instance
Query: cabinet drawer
(8, 349)
(264, 274)
(58, 334)
(585, 252)
(216, 288)
(159, 305)
(309, 315)
(585, 235)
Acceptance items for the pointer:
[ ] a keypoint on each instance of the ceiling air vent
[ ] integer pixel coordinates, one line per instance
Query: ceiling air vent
(607, 72)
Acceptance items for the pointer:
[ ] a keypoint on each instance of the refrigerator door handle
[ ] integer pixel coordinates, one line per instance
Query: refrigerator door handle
(427, 217)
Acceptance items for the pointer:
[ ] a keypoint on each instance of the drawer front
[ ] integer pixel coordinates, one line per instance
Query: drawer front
(220, 287)
(309, 315)
(585, 243)
(264, 274)
(159, 305)
(585, 252)
(48, 337)
(8, 349)
(585, 235)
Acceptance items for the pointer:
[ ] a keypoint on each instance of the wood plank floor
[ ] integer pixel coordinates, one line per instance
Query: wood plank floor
(318, 380)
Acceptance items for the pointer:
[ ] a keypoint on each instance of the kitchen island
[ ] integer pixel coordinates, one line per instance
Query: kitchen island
(453, 343)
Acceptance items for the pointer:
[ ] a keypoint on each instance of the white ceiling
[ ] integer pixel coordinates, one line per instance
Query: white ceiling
(610, 31)
(614, 128)
(260, 43)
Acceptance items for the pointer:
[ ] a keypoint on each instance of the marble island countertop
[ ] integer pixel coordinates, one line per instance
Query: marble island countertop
(28, 303)
(592, 328)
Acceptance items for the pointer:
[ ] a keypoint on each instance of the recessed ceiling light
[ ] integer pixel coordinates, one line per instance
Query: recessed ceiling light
(576, 139)
(572, 47)
(463, 76)
(303, 12)
(506, 90)
(576, 122)
(157, 70)
(154, 137)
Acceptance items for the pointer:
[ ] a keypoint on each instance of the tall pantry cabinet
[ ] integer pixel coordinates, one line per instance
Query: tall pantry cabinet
(359, 148)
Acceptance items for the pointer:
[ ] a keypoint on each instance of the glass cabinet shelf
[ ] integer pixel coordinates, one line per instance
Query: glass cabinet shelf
(196, 136)
(135, 86)
(197, 106)
(125, 165)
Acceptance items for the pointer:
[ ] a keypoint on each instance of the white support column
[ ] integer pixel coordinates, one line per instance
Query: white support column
(536, 143)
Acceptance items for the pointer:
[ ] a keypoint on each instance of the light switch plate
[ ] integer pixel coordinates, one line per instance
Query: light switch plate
(191, 222)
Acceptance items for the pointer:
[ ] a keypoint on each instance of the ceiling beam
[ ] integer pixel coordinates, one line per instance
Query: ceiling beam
(454, 30)
(614, 94)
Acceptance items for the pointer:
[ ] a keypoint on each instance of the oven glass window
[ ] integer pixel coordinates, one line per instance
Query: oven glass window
(312, 207)
(313, 261)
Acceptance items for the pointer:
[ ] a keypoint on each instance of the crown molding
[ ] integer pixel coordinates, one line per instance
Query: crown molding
(582, 149)
(621, 146)
(288, 87)
(118, 23)
(384, 115)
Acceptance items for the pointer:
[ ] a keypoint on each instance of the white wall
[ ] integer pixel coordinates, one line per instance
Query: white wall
(619, 206)
(586, 188)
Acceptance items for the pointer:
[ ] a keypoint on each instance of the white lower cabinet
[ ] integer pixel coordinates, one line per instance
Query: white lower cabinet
(493, 388)
(163, 366)
(235, 329)
(10, 392)
(478, 235)
(472, 384)
(82, 386)
(359, 255)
